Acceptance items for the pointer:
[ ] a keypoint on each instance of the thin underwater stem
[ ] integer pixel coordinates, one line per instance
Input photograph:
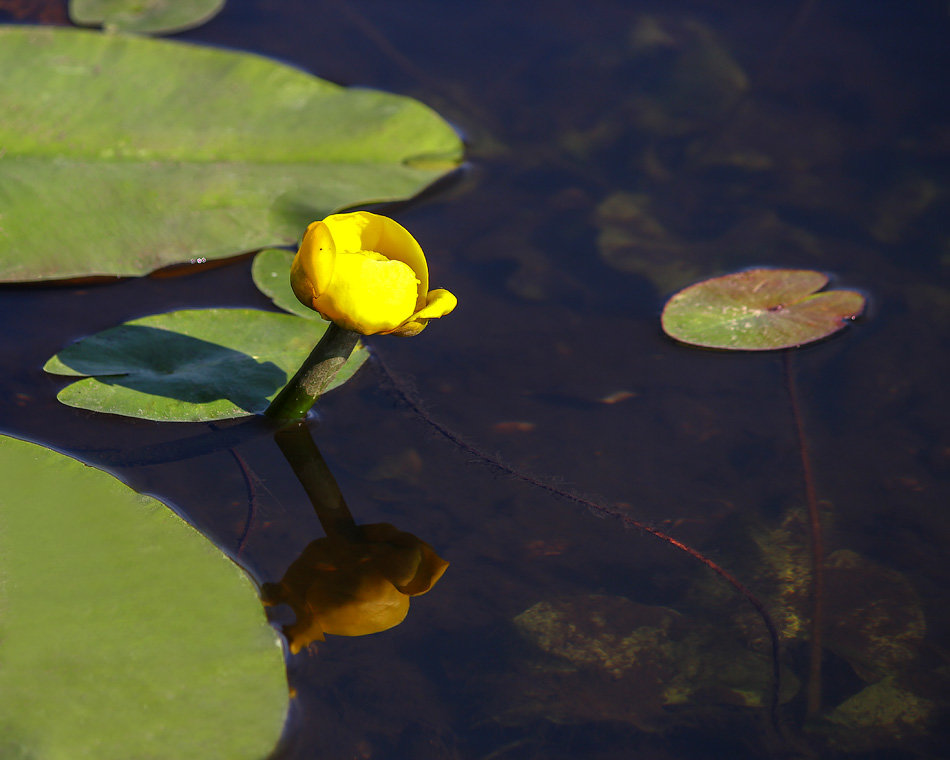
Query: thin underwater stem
(304, 457)
(409, 399)
(314, 376)
(251, 500)
(813, 691)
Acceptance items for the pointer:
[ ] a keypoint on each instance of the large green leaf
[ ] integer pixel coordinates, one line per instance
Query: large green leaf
(144, 16)
(759, 310)
(123, 154)
(123, 632)
(191, 365)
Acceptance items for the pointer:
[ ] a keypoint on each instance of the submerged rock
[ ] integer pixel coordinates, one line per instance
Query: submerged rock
(873, 615)
(607, 659)
(598, 657)
(612, 634)
(882, 714)
(875, 620)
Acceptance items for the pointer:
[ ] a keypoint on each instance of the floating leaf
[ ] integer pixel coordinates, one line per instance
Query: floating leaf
(125, 154)
(124, 633)
(191, 365)
(144, 16)
(759, 310)
(271, 273)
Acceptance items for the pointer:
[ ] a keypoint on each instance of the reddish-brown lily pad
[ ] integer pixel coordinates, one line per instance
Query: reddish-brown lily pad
(759, 310)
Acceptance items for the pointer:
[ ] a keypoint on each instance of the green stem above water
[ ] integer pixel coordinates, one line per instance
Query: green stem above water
(314, 376)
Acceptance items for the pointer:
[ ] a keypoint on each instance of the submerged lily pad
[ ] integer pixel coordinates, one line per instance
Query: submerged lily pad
(759, 310)
(270, 272)
(191, 365)
(124, 632)
(124, 154)
(144, 16)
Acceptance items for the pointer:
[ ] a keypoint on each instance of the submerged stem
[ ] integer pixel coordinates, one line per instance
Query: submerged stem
(314, 376)
(304, 457)
(813, 692)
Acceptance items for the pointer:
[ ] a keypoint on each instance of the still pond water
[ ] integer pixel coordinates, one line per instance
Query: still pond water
(617, 152)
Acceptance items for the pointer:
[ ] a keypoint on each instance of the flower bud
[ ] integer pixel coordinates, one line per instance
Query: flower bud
(366, 273)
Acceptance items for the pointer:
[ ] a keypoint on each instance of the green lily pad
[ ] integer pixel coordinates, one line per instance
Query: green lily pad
(124, 632)
(271, 273)
(191, 365)
(124, 154)
(759, 310)
(144, 16)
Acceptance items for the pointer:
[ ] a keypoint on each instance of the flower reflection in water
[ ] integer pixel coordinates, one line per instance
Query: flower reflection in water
(352, 588)
(357, 579)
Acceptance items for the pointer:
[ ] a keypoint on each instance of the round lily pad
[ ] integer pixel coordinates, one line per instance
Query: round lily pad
(144, 16)
(124, 633)
(759, 310)
(191, 365)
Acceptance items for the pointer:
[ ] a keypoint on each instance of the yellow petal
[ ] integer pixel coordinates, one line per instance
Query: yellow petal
(363, 231)
(312, 268)
(368, 293)
(348, 230)
(439, 302)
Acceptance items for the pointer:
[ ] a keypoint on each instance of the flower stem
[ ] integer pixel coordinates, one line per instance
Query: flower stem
(314, 376)
(814, 687)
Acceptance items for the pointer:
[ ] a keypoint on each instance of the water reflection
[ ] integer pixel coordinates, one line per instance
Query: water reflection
(357, 579)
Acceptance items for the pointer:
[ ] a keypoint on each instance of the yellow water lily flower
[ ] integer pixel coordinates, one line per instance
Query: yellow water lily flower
(366, 273)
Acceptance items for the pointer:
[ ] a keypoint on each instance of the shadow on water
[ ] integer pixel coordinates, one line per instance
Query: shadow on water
(173, 365)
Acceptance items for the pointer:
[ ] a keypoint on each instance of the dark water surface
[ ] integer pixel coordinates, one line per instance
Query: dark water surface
(618, 151)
